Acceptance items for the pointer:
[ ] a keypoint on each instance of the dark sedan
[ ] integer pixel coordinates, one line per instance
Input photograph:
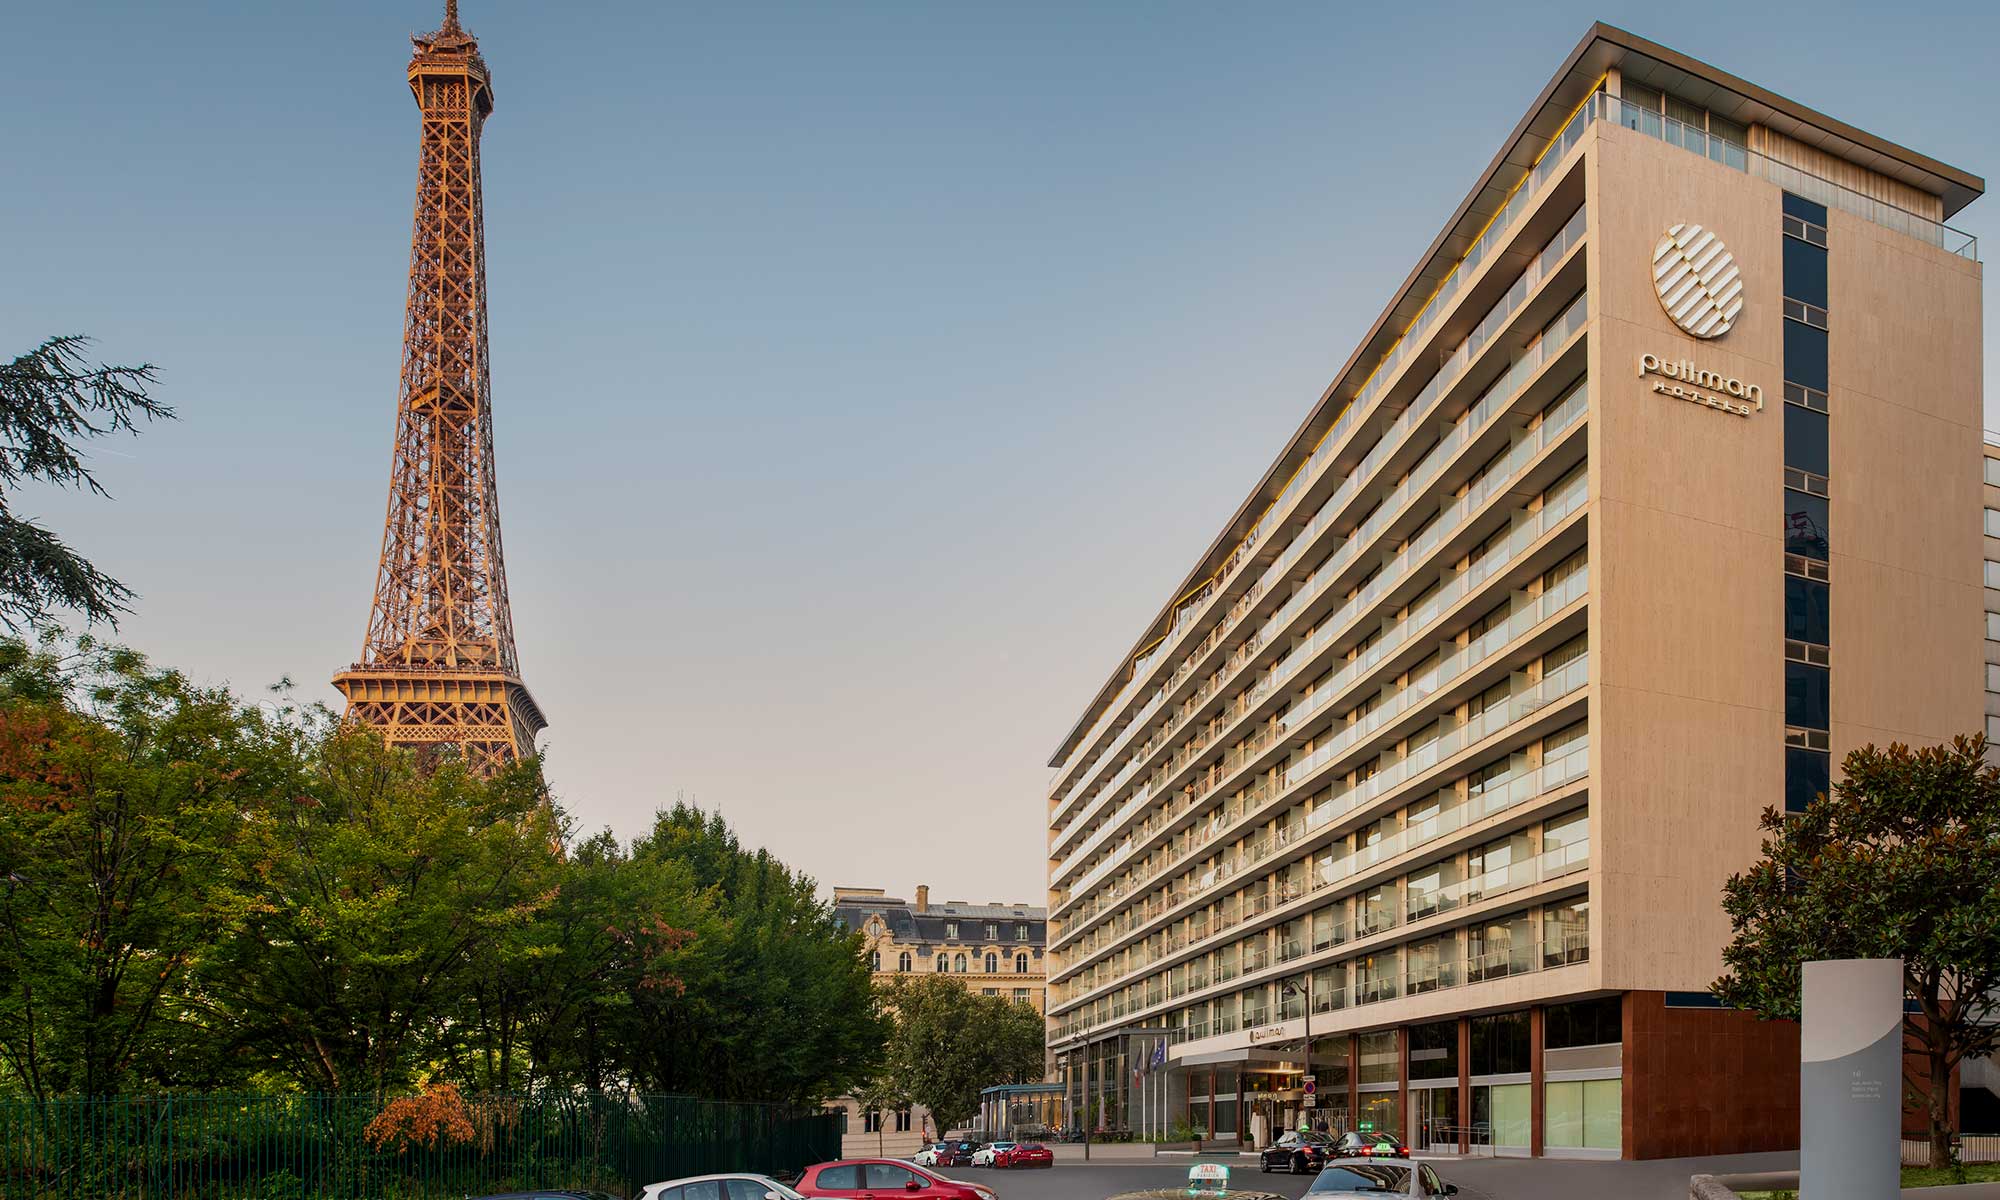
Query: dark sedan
(1298, 1153)
(1370, 1145)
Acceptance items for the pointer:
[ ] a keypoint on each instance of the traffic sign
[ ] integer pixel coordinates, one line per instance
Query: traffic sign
(1310, 1083)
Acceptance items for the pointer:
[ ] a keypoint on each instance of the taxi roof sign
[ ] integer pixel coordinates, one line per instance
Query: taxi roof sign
(1208, 1177)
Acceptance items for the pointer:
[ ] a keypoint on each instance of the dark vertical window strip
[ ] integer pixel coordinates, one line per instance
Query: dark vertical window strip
(1808, 603)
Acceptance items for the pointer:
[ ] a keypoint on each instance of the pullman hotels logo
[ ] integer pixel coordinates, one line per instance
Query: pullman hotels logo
(1697, 281)
(1700, 288)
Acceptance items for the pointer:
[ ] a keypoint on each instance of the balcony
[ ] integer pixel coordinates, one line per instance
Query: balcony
(1529, 527)
(1553, 864)
(1455, 363)
(1556, 773)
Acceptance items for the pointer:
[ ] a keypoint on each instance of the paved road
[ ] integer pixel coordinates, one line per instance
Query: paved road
(1477, 1178)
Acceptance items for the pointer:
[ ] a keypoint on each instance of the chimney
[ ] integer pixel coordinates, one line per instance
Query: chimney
(923, 897)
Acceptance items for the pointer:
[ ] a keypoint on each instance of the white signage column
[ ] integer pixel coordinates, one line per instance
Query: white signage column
(1850, 1079)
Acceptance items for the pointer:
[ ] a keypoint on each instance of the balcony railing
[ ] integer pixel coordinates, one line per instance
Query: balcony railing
(1455, 363)
(1655, 124)
(1416, 980)
(1332, 871)
(1554, 774)
(1529, 528)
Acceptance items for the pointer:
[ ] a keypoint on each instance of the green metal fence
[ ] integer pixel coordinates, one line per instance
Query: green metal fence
(312, 1147)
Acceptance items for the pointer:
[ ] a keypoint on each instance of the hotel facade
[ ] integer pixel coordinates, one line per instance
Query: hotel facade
(1652, 492)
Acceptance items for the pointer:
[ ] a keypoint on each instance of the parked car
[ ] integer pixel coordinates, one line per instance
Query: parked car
(877, 1178)
(928, 1156)
(1026, 1154)
(1298, 1153)
(1344, 1177)
(551, 1194)
(743, 1186)
(955, 1153)
(983, 1157)
(1370, 1145)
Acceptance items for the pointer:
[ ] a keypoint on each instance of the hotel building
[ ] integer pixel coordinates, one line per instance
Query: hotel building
(1649, 495)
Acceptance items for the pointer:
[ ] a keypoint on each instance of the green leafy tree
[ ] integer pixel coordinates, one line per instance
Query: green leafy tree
(749, 988)
(51, 402)
(1902, 861)
(948, 1044)
(374, 890)
(120, 789)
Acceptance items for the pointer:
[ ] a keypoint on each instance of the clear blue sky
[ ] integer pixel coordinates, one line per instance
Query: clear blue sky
(865, 374)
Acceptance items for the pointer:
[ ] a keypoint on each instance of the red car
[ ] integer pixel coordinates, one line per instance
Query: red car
(883, 1179)
(1027, 1154)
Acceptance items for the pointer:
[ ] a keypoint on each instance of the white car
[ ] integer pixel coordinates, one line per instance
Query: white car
(927, 1157)
(743, 1186)
(983, 1157)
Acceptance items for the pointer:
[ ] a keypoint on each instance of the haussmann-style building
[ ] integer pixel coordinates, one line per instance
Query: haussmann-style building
(1650, 494)
(994, 949)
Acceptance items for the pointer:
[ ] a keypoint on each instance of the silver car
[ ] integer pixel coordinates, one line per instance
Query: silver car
(738, 1186)
(1375, 1177)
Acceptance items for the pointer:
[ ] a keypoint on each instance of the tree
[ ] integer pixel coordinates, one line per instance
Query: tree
(51, 401)
(948, 1044)
(373, 891)
(1902, 861)
(750, 989)
(120, 789)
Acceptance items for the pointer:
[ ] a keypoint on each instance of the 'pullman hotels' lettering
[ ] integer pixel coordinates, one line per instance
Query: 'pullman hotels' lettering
(1697, 385)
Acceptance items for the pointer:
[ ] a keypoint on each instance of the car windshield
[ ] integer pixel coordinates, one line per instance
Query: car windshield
(1357, 1178)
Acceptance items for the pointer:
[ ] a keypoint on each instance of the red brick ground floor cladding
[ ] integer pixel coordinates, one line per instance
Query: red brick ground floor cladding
(1706, 1080)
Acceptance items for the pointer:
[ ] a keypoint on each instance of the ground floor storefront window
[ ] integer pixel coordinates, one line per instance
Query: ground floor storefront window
(1582, 1114)
(1505, 1112)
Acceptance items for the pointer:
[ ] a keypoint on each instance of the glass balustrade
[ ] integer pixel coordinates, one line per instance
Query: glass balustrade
(1530, 527)
(1456, 362)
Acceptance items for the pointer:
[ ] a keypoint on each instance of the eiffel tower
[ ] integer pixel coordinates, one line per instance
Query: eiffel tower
(438, 671)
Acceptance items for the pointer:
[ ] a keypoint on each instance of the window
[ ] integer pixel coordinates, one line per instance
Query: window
(992, 964)
(1806, 615)
(1021, 996)
(1993, 471)
(1805, 525)
(845, 1178)
(1993, 677)
(1500, 1044)
(1992, 571)
(886, 1177)
(1808, 776)
(1993, 729)
(1583, 1023)
(1805, 355)
(1805, 439)
(875, 960)
(871, 1121)
(1021, 933)
(902, 1123)
(1582, 1114)
(951, 929)
(1805, 272)
(1806, 696)
(1993, 627)
(1434, 1050)
(943, 962)
(745, 1189)
(703, 1189)
(958, 964)
(903, 961)
(1566, 933)
(1992, 523)
(1020, 964)
(992, 932)
(989, 991)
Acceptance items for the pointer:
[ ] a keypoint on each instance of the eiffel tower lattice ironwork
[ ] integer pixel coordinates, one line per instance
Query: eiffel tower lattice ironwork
(438, 668)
